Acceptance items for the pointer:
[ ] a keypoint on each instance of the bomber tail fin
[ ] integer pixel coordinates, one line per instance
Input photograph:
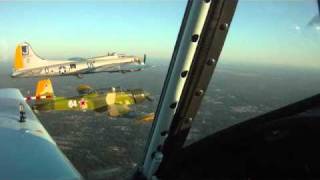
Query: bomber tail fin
(18, 59)
(25, 57)
(44, 88)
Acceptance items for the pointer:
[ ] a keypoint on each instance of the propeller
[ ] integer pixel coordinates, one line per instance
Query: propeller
(145, 57)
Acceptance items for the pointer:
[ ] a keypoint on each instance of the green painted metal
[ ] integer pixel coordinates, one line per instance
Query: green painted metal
(119, 101)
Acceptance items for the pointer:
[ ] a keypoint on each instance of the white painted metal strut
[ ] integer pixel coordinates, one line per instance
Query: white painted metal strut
(176, 82)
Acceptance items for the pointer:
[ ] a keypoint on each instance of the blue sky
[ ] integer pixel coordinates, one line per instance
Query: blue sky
(263, 32)
(90, 28)
(274, 33)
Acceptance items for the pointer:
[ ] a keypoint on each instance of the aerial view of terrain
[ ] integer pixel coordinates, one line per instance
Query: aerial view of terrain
(106, 147)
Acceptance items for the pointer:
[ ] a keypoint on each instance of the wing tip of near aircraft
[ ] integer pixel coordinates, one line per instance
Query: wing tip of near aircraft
(28, 151)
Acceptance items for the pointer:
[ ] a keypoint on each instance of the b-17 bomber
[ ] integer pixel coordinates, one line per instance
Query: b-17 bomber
(115, 101)
(27, 63)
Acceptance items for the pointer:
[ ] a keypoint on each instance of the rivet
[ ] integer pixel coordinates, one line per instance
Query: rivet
(195, 38)
(199, 92)
(159, 148)
(184, 74)
(164, 133)
(153, 154)
(224, 26)
(173, 105)
(211, 61)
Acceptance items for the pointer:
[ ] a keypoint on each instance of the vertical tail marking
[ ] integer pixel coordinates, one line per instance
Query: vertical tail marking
(44, 88)
(18, 61)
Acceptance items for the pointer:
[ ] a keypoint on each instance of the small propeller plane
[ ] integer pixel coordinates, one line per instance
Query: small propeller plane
(28, 64)
(114, 101)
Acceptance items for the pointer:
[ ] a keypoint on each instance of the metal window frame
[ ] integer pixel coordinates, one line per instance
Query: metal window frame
(203, 66)
(200, 41)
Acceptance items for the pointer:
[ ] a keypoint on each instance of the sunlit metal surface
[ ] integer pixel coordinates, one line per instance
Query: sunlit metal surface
(27, 150)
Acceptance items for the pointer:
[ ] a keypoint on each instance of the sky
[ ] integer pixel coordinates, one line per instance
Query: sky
(274, 33)
(262, 32)
(91, 28)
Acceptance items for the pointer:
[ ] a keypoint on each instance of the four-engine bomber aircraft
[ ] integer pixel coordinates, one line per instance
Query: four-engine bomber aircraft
(114, 101)
(28, 64)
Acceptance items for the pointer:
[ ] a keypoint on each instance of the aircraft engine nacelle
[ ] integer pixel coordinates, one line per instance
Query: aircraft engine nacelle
(140, 95)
